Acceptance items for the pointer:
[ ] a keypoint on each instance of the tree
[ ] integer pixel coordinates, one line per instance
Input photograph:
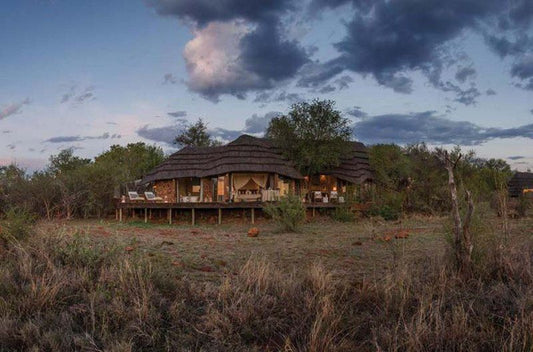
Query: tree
(130, 162)
(313, 135)
(195, 135)
(462, 237)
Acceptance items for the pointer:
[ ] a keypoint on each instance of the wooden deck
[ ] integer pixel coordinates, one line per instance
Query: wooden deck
(170, 207)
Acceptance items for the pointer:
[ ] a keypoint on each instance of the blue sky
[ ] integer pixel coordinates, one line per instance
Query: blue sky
(89, 74)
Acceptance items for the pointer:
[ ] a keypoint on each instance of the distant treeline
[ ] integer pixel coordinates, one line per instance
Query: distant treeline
(406, 179)
(71, 186)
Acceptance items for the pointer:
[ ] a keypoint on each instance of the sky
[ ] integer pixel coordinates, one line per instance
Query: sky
(90, 74)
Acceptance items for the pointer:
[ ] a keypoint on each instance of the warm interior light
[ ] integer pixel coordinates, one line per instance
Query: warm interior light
(335, 189)
(322, 178)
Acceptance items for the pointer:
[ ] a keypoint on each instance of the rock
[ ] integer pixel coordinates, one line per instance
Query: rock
(402, 234)
(253, 232)
(387, 238)
(129, 248)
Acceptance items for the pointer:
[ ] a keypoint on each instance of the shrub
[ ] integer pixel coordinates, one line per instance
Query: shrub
(524, 204)
(389, 206)
(343, 214)
(17, 225)
(288, 213)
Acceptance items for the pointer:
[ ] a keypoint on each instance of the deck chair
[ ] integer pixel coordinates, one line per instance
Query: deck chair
(134, 196)
(317, 196)
(151, 196)
(334, 196)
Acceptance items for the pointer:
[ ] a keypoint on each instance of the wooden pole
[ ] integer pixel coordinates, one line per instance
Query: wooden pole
(219, 216)
(193, 219)
(120, 215)
(313, 211)
(145, 215)
(170, 216)
(253, 216)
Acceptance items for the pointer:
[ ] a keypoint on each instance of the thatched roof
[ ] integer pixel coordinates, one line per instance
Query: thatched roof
(245, 154)
(251, 154)
(519, 182)
(355, 167)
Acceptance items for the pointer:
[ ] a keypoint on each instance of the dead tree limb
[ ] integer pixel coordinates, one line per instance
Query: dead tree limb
(462, 237)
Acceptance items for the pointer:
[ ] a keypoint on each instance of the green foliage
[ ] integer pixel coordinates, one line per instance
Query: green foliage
(288, 213)
(18, 224)
(343, 214)
(76, 187)
(416, 173)
(388, 206)
(195, 135)
(524, 204)
(313, 135)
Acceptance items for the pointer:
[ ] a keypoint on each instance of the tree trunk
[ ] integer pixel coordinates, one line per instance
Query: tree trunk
(462, 238)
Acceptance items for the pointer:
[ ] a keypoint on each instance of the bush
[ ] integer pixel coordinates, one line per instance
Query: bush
(524, 204)
(17, 225)
(288, 213)
(343, 214)
(389, 206)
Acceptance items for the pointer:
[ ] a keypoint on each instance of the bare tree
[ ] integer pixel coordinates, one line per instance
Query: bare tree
(462, 237)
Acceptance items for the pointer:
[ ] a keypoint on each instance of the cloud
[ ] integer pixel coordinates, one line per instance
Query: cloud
(164, 134)
(237, 46)
(343, 82)
(327, 89)
(256, 124)
(517, 157)
(78, 96)
(242, 46)
(430, 128)
(269, 97)
(11, 146)
(6, 131)
(357, 112)
(169, 78)
(390, 39)
(66, 139)
(177, 113)
(490, 91)
(13, 108)
(464, 73)
(203, 12)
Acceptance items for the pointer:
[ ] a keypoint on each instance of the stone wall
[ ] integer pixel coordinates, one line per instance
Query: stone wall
(207, 185)
(165, 189)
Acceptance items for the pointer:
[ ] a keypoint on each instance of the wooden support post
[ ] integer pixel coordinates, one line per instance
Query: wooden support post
(253, 216)
(170, 216)
(313, 211)
(145, 215)
(219, 216)
(120, 215)
(193, 219)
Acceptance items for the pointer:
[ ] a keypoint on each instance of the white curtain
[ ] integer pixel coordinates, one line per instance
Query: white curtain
(239, 180)
(260, 179)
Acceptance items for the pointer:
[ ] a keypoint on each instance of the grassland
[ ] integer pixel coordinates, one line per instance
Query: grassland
(107, 286)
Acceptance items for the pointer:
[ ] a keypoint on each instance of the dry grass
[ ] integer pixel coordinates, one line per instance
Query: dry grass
(334, 287)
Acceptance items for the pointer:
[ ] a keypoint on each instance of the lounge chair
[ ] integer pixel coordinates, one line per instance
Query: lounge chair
(317, 196)
(151, 196)
(334, 196)
(134, 196)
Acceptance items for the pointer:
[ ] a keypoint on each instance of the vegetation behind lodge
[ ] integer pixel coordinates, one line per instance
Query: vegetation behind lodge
(308, 152)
